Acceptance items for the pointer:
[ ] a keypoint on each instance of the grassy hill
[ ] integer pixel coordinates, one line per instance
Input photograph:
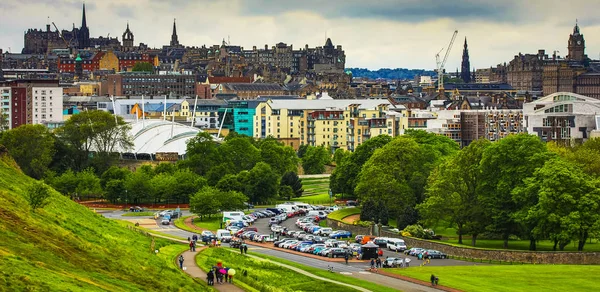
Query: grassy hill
(66, 247)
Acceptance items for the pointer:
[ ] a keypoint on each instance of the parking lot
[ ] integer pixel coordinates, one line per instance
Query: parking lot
(263, 228)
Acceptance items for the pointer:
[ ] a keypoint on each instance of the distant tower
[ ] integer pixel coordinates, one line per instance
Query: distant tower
(576, 45)
(174, 40)
(78, 67)
(84, 32)
(465, 68)
(127, 39)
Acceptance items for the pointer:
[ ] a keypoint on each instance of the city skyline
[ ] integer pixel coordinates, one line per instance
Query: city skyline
(385, 34)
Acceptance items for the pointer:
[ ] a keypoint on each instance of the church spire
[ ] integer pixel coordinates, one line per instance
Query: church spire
(174, 40)
(83, 20)
(465, 69)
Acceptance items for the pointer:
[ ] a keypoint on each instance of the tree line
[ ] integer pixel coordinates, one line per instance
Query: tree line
(518, 187)
(79, 160)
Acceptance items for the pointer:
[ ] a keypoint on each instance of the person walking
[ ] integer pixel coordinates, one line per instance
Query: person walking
(181, 261)
(191, 245)
(346, 256)
(210, 277)
(372, 264)
(378, 263)
(241, 248)
(432, 278)
(245, 248)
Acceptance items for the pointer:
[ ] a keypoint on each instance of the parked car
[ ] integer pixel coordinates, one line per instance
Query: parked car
(324, 231)
(395, 262)
(336, 252)
(413, 251)
(381, 241)
(165, 221)
(207, 236)
(434, 254)
(341, 234)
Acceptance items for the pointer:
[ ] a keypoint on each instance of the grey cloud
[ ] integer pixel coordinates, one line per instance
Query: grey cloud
(395, 10)
(123, 11)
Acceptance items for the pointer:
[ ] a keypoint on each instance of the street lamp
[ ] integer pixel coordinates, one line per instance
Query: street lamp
(125, 199)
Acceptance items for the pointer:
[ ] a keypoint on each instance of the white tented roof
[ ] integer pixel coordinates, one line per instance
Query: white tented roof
(152, 136)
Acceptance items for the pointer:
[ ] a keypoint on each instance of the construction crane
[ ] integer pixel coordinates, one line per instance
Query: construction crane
(441, 64)
(62, 37)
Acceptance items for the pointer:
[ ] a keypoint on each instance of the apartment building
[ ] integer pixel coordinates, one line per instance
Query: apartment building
(5, 96)
(341, 124)
(47, 105)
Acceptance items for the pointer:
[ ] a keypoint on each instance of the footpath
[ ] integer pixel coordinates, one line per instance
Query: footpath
(195, 272)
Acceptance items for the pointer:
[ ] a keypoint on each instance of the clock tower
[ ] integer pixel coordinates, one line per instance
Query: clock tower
(576, 45)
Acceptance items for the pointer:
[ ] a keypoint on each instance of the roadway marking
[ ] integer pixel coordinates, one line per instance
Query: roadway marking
(364, 273)
(345, 273)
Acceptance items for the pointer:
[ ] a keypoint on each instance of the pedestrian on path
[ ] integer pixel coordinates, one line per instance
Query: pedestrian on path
(346, 256)
(378, 263)
(241, 249)
(433, 277)
(181, 262)
(210, 277)
(245, 248)
(191, 245)
(372, 264)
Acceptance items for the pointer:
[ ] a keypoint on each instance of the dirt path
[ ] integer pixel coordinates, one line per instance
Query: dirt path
(350, 219)
(192, 269)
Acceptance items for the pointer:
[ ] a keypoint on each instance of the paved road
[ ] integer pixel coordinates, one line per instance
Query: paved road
(262, 225)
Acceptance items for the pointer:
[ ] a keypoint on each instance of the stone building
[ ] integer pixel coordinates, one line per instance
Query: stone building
(524, 72)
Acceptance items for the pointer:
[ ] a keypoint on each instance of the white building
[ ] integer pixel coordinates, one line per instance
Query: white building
(5, 109)
(47, 104)
(562, 116)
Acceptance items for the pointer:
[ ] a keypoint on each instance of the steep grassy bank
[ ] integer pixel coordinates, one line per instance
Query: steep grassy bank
(66, 247)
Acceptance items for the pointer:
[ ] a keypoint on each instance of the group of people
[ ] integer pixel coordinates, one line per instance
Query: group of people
(192, 242)
(220, 273)
(375, 264)
(243, 248)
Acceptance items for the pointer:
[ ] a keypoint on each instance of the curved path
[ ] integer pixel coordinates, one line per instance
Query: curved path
(195, 272)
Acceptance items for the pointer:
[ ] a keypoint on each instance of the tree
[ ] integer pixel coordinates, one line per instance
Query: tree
(389, 174)
(302, 150)
(66, 183)
(262, 183)
(143, 66)
(205, 202)
(239, 153)
(232, 200)
(292, 180)
(281, 158)
(568, 205)
(88, 183)
(165, 167)
(187, 183)
(451, 192)
(202, 154)
(4, 121)
(31, 146)
(95, 131)
(504, 165)
(37, 195)
(340, 155)
(286, 192)
(345, 176)
(138, 187)
(113, 181)
(162, 187)
(231, 182)
(313, 162)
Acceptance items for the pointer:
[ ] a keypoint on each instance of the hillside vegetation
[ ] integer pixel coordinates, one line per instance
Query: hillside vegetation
(66, 247)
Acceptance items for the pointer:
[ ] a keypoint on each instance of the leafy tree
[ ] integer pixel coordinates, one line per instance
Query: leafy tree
(286, 192)
(114, 173)
(143, 66)
(313, 162)
(31, 146)
(216, 173)
(340, 155)
(66, 183)
(162, 186)
(205, 202)
(88, 183)
(368, 211)
(138, 187)
(568, 206)
(240, 153)
(389, 174)
(345, 176)
(95, 131)
(114, 190)
(302, 150)
(451, 192)
(504, 165)
(262, 183)
(165, 167)
(202, 154)
(231, 182)
(37, 195)
(187, 183)
(232, 200)
(4, 121)
(292, 180)
(281, 158)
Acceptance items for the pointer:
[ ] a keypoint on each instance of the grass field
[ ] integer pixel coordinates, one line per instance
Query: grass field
(332, 276)
(263, 275)
(342, 213)
(138, 214)
(511, 278)
(67, 247)
(212, 223)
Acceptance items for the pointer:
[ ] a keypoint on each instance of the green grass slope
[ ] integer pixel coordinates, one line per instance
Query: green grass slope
(66, 247)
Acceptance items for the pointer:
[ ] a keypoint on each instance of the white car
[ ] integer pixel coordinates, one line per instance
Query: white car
(324, 231)
(165, 222)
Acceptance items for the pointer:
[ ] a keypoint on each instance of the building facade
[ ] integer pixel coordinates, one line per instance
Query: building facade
(565, 117)
(148, 84)
(47, 105)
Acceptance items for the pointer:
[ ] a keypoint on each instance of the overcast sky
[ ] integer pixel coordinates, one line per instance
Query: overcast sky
(374, 33)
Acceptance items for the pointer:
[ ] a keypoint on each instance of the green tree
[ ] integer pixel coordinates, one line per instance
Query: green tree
(143, 66)
(95, 131)
(451, 192)
(31, 146)
(113, 181)
(231, 200)
(281, 158)
(138, 187)
(65, 183)
(187, 183)
(165, 167)
(201, 154)
(340, 155)
(504, 165)
(37, 195)
(292, 180)
(88, 183)
(262, 183)
(205, 202)
(239, 153)
(315, 159)
(568, 205)
(345, 176)
(286, 192)
(162, 187)
(231, 182)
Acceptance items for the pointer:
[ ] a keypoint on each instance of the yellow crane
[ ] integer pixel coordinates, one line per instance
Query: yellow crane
(441, 64)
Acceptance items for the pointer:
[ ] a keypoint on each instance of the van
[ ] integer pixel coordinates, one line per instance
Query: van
(224, 235)
(319, 214)
(396, 244)
(274, 210)
(367, 238)
(233, 216)
(288, 208)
